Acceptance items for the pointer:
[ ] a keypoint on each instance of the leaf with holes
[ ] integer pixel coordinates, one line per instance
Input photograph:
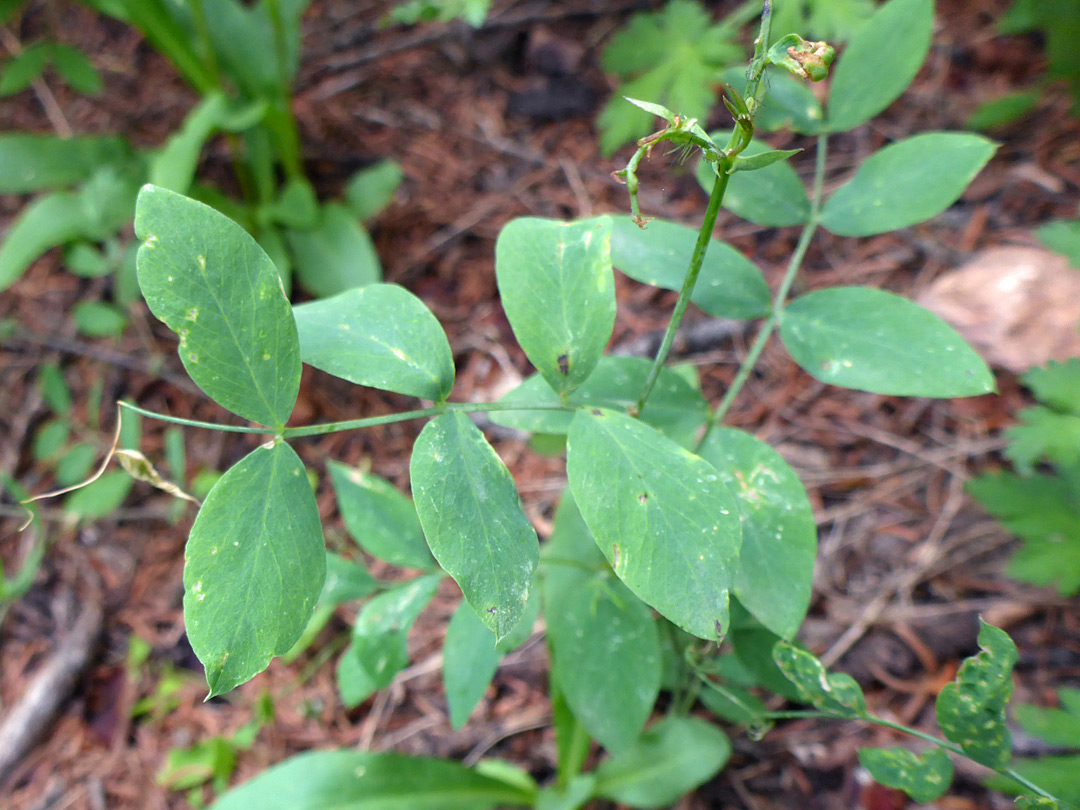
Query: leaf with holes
(558, 290)
(254, 566)
(381, 336)
(663, 518)
(473, 519)
(837, 693)
(923, 778)
(211, 283)
(971, 709)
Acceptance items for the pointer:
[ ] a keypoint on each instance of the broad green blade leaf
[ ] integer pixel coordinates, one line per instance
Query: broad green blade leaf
(382, 628)
(754, 645)
(173, 166)
(48, 221)
(675, 408)
(50, 440)
(76, 69)
(773, 196)
(735, 704)
(605, 653)
(469, 662)
(254, 566)
(671, 758)
(354, 683)
(473, 520)
(370, 190)
(558, 291)
(1054, 774)
(1058, 727)
(346, 580)
(971, 709)
(295, 207)
(879, 62)
(728, 286)
(34, 162)
(923, 778)
(790, 104)
(663, 518)
(380, 519)
(837, 693)
(577, 793)
(779, 545)
(75, 466)
(381, 336)
(211, 283)
(872, 340)
(362, 780)
(336, 255)
(98, 319)
(906, 182)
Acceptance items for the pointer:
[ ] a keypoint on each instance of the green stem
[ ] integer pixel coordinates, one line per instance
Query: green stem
(353, 424)
(696, 260)
(763, 335)
(914, 732)
(206, 41)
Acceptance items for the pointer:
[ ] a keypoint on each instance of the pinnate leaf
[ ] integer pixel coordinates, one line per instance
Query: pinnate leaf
(381, 336)
(906, 183)
(837, 693)
(971, 709)
(879, 62)
(1062, 237)
(728, 286)
(473, 519)
(1056, 384)
(663, 518)
(924, 778)
(557, 288)
(254, 566)
(353, 780)
(212, 284)
(872, 340)
(776, 563)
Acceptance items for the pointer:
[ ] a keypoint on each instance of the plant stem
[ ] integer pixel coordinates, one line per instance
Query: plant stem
(914, 732)
(763, 335)
(353, 424)
(696, 260)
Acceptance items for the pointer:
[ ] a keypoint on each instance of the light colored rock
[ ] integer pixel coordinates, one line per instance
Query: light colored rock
(1017, 306)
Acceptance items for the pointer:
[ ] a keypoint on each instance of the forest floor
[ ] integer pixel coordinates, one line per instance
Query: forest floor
(485, 130)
